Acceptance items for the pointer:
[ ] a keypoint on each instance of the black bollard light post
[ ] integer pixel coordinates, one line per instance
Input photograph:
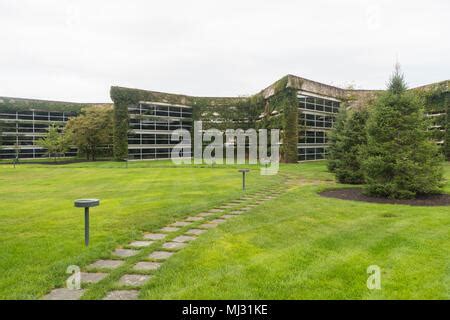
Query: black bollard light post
(244, 171)
(86, 204)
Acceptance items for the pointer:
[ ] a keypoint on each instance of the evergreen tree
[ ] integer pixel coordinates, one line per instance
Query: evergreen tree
(400, 161)
(335, 137)
(347, 138)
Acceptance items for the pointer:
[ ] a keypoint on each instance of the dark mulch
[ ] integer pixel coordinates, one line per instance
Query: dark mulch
(356, 194)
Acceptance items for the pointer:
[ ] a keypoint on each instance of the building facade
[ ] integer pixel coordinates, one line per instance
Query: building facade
(304, 111)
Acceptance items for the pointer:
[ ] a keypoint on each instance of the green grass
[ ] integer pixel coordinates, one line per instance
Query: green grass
(41, 232)
(299, 246)
(303, 246)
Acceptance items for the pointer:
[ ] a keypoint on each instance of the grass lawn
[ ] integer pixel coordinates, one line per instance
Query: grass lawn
(298, 246)
(41, 233)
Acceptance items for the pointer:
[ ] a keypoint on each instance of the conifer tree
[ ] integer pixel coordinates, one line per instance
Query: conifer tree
(399, 160)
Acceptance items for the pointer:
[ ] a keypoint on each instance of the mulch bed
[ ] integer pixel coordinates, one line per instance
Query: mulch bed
(356, 194)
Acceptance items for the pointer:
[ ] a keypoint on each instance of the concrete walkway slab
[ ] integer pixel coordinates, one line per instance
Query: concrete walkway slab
(183, 239)
(106, 264)
(146, 266)
(195, 232)
(125, 253)
(135, 280)
(140, 244)
(122, 295)
(173, 245)
(154, 236)
(92, 277)
(169, 229)
(160, 255)
(64, 294)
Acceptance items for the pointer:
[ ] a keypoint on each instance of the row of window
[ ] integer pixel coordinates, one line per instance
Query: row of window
(159, 110)
(30, 153)
(158, 125)
(318, 104)
(316, 120)
(150, 139)
(37, 116)
(305, 154)
(313, 137)
(153, 153)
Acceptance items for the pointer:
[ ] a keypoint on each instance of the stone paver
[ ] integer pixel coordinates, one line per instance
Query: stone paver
(160, 255)
(205, 214)
(216, 210)
(154, 236)
(195, 232)
(173, 245)
(92, 277)
(140, 244)
(218, 221)
(106, 264)
(122, 295)
(192, 219)
(183, 239)
(135, 280)
(169, 229)
(125, 253)
(227, 216)
(180, 224)
(146, 266)
(64, 294)
(208, 225)
(237, 212)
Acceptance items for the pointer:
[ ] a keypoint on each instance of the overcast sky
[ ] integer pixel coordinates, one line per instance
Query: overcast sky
(75, 50)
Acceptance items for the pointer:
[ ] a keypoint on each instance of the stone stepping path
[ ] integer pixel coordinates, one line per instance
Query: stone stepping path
(64, 294)
(146, 266)
(140, 244)
(205, 214)
(193, 219)
(125, 253)
(228, 216)
(154, 236)
(183, 239)
(195, 232)
(122, 295)
(134, 280)
(180, 224)
(174, 245)
(218, 221)
(160, 255)
(105, 264)
(208, 225)
(138, 274)
(92, 277)
(169, 229)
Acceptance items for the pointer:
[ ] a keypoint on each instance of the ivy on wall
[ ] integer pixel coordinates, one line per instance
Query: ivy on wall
(437, 100)
(19, 104)
(281, 112)
(219, 113)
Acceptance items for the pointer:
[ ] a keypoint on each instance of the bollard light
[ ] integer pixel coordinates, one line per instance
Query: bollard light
(126, 162)
(86, 204)
(244, 171)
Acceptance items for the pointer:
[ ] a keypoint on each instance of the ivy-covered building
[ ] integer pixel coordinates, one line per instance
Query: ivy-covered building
(304, 110)
(24, 121)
